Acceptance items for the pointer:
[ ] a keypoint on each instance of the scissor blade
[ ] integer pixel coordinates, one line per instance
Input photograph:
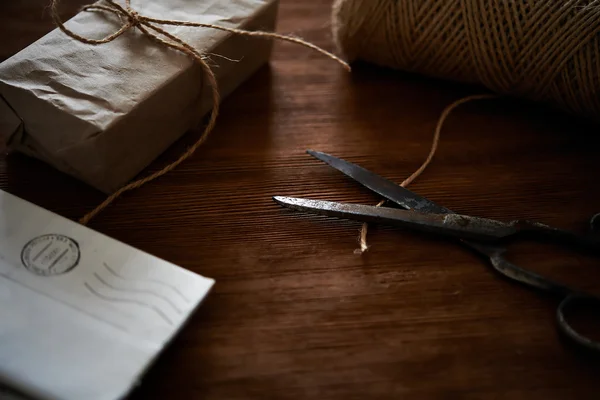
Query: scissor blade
(380, 185)
(445, 224)
(397, 194)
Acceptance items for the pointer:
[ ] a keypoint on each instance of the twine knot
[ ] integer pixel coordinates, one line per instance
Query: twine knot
(134, 17)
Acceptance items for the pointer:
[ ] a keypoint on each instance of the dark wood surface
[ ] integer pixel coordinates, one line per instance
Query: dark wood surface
(295, 313)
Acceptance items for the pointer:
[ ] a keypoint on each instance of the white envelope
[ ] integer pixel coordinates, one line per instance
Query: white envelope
(82, 316)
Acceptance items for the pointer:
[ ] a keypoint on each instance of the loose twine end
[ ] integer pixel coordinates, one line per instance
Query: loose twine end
(434, 145)
(362, 237)
(150, 27)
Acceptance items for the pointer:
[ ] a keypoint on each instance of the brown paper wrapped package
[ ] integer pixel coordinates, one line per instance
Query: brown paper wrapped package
(103, 113)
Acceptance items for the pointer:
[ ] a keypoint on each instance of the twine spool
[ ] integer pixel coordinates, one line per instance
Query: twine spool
(542, 50)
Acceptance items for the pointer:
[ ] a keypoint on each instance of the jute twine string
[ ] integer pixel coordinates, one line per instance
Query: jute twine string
(148, 27)
(542, 50)
(434, 146)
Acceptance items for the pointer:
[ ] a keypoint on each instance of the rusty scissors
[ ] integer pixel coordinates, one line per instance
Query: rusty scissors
(482, 235)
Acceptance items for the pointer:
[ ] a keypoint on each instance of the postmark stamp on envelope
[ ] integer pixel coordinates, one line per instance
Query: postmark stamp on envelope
(51, 254)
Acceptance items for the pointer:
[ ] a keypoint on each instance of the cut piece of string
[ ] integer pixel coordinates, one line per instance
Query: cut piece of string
(362, 239)
(146, 25)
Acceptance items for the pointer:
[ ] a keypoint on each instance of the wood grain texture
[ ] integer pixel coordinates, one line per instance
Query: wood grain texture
(295, 314)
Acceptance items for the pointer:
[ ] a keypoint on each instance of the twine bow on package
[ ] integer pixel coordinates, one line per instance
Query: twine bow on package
(103, 113)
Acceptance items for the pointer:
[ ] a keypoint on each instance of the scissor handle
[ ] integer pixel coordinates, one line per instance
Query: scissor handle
(595, 223)
(568, 304)
(571, 298)
(567, 238)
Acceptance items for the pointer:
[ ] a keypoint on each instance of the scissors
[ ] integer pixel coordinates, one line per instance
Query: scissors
(484, 236)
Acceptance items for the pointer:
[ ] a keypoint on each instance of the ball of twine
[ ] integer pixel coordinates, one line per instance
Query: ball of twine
(542, 50)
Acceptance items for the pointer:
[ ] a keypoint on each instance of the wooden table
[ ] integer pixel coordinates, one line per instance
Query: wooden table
(295, 313)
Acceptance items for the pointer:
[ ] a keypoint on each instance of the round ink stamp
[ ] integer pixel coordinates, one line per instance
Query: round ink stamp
(51, 254)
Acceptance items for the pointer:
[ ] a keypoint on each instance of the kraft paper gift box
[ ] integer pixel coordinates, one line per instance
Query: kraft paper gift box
(103, 113)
